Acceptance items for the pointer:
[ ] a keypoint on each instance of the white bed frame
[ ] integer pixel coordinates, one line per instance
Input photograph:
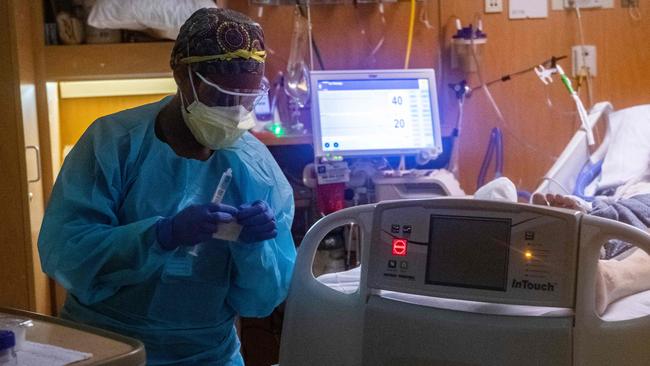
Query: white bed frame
(561, 178)
(323, 326)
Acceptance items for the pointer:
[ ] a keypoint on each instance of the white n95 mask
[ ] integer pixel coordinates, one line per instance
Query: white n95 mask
(215, 127)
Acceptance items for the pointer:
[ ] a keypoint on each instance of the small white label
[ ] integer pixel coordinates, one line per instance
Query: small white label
(229, 231)
(522, 9)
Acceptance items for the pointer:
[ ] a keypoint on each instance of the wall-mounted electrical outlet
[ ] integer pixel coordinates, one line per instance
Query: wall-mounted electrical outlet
(583, 60)
(493, 6)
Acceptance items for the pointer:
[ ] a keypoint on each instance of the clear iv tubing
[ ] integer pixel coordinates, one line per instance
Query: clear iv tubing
(455, 151)
(483, 85)
(582, 112)
(496, 107)
(584, 57)
(311, 45)
(383, 22)
(222, 187)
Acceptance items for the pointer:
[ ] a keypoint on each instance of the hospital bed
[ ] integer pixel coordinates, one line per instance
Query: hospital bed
(623, 154)
(464, 282)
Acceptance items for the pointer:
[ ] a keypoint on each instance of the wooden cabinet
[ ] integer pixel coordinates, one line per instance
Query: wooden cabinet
(107, 61)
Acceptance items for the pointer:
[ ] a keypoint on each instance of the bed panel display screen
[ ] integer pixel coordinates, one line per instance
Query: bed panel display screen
(468, 252)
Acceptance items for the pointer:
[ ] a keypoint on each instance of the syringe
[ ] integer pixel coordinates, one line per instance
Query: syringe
(224, 182)
(217, 197)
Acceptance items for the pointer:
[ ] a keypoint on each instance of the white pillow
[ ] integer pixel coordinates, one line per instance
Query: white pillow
(628, 155)
(164, 17)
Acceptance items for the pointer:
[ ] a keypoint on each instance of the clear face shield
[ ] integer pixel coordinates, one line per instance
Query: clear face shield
(221, 96)
(228, 97)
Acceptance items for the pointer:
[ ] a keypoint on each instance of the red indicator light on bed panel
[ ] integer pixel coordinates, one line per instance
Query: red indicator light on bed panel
(399, 247)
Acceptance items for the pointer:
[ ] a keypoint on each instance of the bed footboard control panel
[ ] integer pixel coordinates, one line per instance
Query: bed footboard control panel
(475, 250)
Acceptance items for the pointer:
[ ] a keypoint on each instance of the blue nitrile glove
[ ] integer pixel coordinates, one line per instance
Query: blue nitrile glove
(257, 221)
(192, 225)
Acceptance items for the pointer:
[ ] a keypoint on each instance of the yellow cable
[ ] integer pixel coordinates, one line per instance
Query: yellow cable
(409, 43)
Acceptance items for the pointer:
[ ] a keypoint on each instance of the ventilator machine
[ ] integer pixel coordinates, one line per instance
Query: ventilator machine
(380, 113)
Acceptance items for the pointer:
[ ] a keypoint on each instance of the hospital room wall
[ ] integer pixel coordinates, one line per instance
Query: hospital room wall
(534, 132)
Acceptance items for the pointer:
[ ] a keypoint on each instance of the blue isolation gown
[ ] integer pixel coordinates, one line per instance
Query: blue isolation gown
(98, 240)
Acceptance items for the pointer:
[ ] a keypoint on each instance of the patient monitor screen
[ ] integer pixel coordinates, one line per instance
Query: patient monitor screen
(375, 115)
(468, 252)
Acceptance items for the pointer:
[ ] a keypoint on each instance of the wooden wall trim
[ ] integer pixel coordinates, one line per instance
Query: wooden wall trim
(45, 137)
(16, 289)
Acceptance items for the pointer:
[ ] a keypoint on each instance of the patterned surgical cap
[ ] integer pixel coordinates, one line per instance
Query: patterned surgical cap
(211, 32)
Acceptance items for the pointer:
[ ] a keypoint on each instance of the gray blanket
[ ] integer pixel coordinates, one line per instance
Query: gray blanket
(634, 211)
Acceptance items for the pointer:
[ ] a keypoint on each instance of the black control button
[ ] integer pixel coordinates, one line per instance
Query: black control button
(404, 265)
(394, 228)
(406, 229)
(392, 264)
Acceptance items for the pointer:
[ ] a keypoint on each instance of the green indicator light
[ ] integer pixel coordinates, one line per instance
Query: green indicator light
(278, 131)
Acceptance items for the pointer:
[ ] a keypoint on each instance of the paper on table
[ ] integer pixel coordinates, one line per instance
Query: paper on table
(38, 354)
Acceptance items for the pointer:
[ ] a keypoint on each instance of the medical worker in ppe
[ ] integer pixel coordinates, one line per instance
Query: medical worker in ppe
(133, 199)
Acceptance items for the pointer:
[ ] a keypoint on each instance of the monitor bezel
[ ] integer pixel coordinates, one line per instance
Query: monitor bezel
(429, 74)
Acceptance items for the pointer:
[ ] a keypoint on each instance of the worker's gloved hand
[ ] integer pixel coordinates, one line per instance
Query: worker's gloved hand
(192, 225)
(257, 221)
